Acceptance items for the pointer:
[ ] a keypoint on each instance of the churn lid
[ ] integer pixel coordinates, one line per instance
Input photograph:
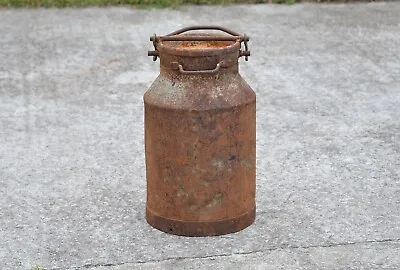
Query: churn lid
(200, 44)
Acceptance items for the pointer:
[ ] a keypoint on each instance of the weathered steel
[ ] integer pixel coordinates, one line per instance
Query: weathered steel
(200, 139)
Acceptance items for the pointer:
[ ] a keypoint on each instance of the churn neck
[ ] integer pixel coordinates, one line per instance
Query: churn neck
(199, 54)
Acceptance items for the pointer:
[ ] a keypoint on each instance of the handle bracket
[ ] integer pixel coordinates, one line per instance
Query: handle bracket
(199, 72)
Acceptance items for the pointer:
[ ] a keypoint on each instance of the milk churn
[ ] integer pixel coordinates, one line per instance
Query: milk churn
(200, 134)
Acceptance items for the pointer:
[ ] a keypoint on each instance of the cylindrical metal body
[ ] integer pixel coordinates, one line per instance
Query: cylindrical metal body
(200, 141)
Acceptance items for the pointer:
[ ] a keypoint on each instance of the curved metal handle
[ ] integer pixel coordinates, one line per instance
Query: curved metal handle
(204, 27)
(203, 72)
(174, 36)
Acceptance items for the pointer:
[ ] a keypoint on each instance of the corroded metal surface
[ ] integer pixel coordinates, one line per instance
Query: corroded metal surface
(200, 141)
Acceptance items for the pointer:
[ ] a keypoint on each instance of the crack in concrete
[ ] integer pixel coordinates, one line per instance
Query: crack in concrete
(286, 247)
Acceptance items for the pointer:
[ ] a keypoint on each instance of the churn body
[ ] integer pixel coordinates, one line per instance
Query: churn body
(200, 138)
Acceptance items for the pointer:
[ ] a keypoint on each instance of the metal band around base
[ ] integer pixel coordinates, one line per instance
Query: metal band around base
(200, 228)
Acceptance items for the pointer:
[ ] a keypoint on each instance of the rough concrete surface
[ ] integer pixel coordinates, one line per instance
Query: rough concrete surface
(72, 174)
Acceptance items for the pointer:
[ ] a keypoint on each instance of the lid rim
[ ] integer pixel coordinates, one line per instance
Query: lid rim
(195, 52)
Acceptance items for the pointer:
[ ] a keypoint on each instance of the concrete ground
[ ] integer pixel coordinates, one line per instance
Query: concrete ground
(72, 172)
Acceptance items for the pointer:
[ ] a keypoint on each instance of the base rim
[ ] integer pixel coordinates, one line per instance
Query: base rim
(200, 228)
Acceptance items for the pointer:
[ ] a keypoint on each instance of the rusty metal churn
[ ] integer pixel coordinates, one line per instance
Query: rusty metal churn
(200, 135)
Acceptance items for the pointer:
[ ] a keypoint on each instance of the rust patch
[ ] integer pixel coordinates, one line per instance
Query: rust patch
(207, 183)
(217, 199)
(218, 164)
(181, 192)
